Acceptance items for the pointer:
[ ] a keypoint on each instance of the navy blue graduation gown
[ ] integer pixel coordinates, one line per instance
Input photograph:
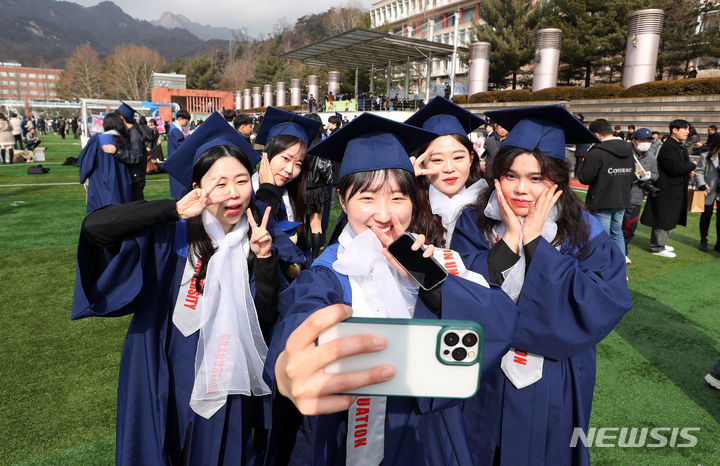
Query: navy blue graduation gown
(157, 365)
(417, 430)
(110, 179)
(175, 138)
(567, 306)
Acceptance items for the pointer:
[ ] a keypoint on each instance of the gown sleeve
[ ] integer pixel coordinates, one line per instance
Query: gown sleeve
(271, 195)
(109, 226)
(568, 305)
(112, 264)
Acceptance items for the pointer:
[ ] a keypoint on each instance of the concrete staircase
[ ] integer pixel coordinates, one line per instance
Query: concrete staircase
(654, 113)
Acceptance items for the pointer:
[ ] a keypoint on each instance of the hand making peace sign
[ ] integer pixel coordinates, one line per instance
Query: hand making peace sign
(197, 200)
(260, 239)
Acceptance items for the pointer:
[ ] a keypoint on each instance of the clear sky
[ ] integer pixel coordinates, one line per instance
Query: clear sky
(257, 17)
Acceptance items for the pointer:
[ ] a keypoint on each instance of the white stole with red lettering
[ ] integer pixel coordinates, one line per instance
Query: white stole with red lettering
(231, 350)
(520, 367)
(378, 290)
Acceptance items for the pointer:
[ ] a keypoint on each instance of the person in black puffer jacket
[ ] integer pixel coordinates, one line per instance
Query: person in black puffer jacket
(609, 171)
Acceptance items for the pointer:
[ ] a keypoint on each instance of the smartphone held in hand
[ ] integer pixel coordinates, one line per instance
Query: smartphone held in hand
(426, 271)
(432, 358)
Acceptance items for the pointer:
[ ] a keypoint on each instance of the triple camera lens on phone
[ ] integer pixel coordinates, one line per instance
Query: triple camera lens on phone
(459, 346)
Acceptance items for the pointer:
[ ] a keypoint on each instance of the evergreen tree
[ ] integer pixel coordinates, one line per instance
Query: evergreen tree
(509, 26)
(202, 73)
(685, 37)
(271, 67)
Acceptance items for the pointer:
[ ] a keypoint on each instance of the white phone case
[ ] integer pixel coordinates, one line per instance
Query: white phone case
(413, 349)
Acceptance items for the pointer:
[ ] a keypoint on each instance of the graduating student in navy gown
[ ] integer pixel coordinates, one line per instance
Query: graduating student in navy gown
(177, 134)
(201, 279)
(281, 177)
(448, 169)
(530, 234)
(108, 176)
(377, 191)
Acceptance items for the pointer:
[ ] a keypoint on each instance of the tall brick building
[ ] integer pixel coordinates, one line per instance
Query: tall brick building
(23, 83)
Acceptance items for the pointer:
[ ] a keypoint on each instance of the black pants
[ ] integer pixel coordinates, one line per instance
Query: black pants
(630, 224)
(705, 223)
(137, 188)
(18, 141)
(32, 145)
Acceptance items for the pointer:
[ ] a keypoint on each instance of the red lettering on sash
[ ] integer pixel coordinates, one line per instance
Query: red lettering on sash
(193, 294)
(218, 363)
(520, 357)
(450, 264)
(360, 431)
(360, 442)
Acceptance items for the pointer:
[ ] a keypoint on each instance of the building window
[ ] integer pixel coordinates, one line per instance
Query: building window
(51, 85)
(41, 76)
(468, 15)
(13, 83)
(23, 83)
(23, 75)
(33, 92)
(11, 74)
(3, 73)
(32, 76)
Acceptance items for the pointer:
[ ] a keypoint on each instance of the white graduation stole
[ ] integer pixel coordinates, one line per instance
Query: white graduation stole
(187, 315)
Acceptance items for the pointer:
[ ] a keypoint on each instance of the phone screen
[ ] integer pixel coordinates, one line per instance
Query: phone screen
(425, 270)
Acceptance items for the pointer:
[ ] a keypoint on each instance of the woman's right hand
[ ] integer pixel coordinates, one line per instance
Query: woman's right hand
(513, 227)
(300, 368)
(419, 165)
(265, 174)
(197, 200)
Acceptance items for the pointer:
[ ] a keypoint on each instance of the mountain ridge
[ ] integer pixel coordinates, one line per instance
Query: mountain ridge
(49, 39)
(171, 20)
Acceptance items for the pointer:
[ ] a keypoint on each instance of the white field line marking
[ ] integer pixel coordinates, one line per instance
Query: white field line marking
(58, 184)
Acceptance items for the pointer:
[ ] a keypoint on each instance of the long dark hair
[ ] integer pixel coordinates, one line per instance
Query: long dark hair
(354, 183)
(433, 223)
(112, 121)
(713, 149)
(572, 231)
(200, 246)
(295, 188)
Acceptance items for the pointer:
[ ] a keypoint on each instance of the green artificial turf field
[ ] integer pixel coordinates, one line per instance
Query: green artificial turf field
(57, 396)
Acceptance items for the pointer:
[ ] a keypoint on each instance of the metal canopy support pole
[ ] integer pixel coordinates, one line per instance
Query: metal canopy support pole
(356, 82)
(427, 77)
(372, 79)
(389, 79)
(407, 79)
(454, 54)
